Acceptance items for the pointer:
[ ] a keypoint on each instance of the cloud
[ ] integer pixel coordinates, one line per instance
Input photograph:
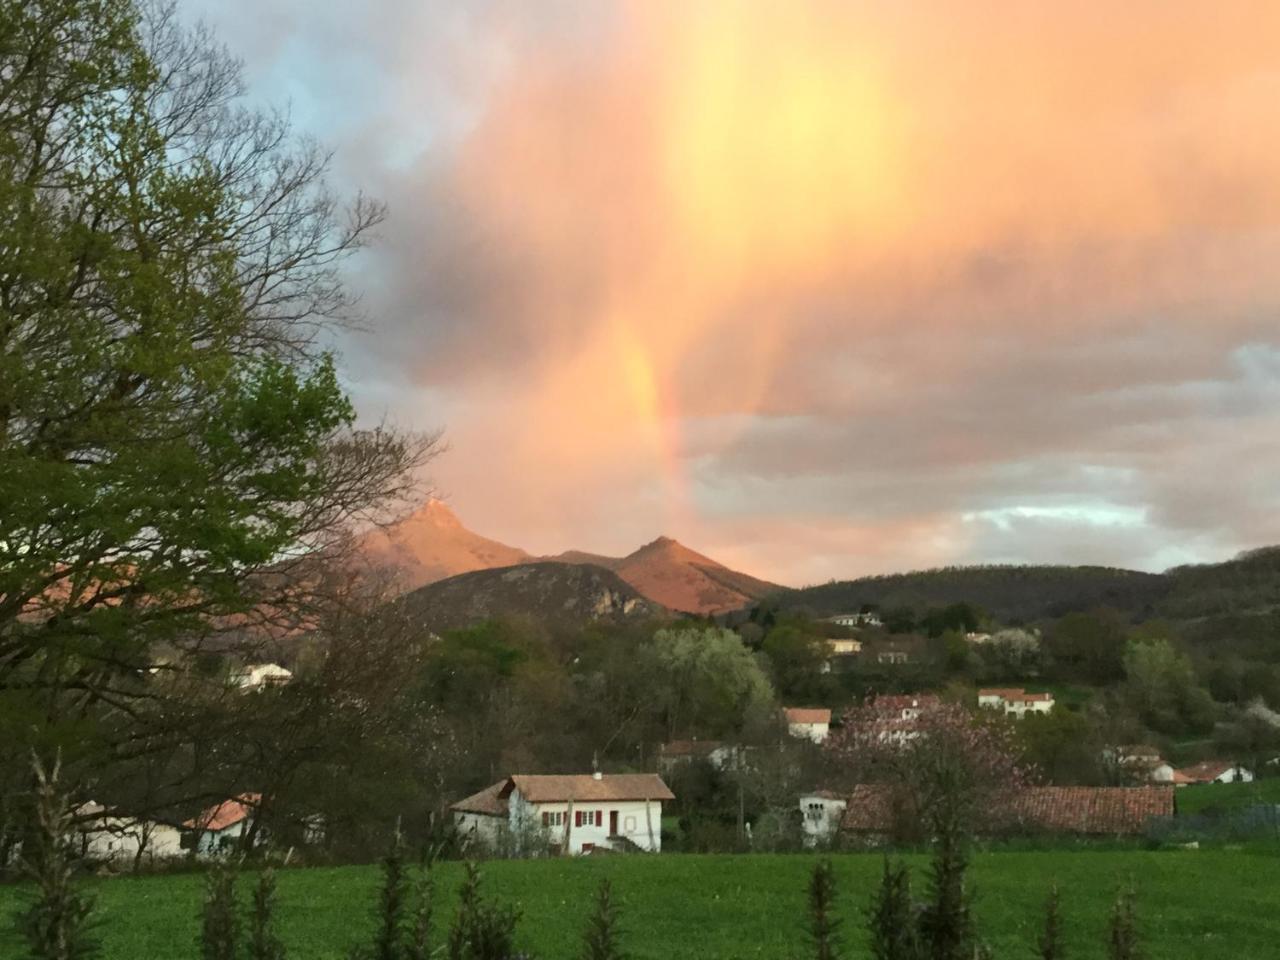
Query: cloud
(824, 288)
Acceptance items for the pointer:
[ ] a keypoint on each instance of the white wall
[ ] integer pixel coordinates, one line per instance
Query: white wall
(117, 839)
(821, 817)
(817, 732)
(632, 822)
(477, 827)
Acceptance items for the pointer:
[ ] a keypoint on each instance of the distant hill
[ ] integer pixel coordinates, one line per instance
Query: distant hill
(1246, 585)
(433, 545)
(1009, 593)
(553, 593)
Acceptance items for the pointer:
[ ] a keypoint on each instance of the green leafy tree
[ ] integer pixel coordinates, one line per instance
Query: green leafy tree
(708, 682)
(1163, 688)
(1088, 646)
(176, 452)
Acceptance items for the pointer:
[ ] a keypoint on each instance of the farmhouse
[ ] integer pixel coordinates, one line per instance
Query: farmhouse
(1216, 771)
(574, 814)
(1015, 702)
(1143, 762)
(219, 828)
(856, 620)
(806, 723)
(843, 646)
(109, 837)
(873, 810)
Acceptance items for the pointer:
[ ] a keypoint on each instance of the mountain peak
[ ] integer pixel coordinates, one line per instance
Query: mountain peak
(437, 513)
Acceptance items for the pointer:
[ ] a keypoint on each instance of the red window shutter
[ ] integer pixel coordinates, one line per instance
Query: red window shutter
(577, 818)
(599, 818)
(546, 819)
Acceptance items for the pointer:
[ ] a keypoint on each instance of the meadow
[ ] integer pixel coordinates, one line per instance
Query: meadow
(1193, 904)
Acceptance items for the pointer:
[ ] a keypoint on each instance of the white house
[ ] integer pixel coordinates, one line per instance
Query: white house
(219, 828)
(856, 620)
(821, 812)
(1015, 702)
(1217, 771)
(106, 836)
(843, 646)
(806, 723)
(575, 813)
(255, 676)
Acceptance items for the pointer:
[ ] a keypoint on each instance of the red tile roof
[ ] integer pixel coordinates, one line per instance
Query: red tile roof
(1101, 811)
(1106, 811)
(487, 802)
(807, 714)
(226, 814)
(1206, 771)
(585, 787)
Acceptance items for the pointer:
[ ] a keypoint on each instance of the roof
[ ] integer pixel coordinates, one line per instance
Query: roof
(1082, 810)
(1093, 810)
(869, 809)
(486, 802)
(557, 788)
(1207, 770)
(226, 814)
(807, 714)
(1009, 693)
(690, 748)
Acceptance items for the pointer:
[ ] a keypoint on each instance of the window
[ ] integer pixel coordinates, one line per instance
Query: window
(553, 818)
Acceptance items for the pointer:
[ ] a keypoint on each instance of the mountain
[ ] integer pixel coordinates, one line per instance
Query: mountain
(432, 545)
(552, 593)
(682, 579)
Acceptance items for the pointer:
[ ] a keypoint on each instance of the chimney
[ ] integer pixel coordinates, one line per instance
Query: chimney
(595, 767)
(597, 775)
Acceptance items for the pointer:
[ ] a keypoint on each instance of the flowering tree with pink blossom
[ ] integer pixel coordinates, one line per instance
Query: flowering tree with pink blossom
(950, 772)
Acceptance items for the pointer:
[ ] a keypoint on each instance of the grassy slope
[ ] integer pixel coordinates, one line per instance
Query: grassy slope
(1201, 905)
(1228, 796)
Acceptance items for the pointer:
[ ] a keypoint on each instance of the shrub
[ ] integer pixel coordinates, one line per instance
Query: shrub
(1050, 945)
(263, 942)
(219, 924)
(892, 919)
(823, 925)
(1122, 944)
(601, 940)
(480, 930)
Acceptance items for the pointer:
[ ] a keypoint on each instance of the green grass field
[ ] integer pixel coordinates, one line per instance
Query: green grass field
(1194, 905)
(1227, 796)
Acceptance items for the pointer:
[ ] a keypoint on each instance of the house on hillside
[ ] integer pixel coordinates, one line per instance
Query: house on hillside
(808, 723)
(1143, 763)
(219, 828)
(896, 717)
(843, 646)
(107, 836)
(681, 753)
(872, 811)
(256, 676)
(867, 619)
(576, 813)
(1015, 702)
(1216, 771)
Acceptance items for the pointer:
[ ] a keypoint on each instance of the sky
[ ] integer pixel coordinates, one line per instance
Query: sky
(823, 288)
